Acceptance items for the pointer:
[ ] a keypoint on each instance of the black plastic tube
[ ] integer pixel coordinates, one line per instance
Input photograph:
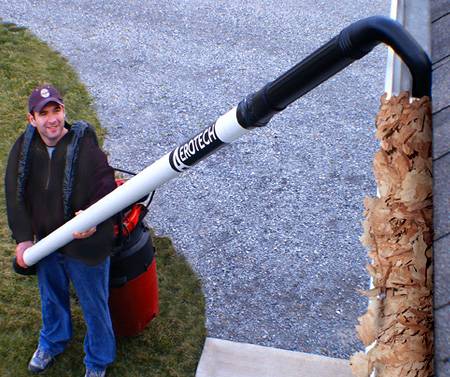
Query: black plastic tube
(354, 42)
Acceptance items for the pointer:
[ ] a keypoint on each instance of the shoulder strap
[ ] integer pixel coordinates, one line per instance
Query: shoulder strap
(79, 129)
(24, 162)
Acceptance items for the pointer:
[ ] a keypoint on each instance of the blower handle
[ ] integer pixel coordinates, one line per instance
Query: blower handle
(31, 270)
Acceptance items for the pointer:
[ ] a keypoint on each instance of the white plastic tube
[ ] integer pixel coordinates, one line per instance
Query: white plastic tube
(225, 130)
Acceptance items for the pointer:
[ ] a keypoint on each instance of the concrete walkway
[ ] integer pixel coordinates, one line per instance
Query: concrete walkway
(222, 358)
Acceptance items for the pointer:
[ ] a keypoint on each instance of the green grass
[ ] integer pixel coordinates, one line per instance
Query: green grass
(172, 343)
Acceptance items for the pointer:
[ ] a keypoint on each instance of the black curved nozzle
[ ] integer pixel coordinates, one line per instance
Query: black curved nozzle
(354, 42)
(374, 30)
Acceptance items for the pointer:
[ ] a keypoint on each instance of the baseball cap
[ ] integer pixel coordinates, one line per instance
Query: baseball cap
(42, 95)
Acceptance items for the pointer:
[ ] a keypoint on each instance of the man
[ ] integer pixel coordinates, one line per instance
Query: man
(37, 204)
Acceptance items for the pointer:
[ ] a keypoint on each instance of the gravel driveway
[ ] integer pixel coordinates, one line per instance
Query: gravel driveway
(270, 223)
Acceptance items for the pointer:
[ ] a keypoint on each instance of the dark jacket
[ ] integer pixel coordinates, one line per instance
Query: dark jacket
(42, 209)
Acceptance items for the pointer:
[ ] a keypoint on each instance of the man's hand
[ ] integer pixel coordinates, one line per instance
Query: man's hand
(86, 233)
(20, 249)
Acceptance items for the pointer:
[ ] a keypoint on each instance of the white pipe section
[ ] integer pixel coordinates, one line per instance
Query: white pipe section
(131, 191)
(227, 129)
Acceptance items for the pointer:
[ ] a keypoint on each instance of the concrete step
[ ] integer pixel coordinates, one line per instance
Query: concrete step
(222, 358)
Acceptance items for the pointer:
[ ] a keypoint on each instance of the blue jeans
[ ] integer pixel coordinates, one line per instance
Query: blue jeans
(91, 285)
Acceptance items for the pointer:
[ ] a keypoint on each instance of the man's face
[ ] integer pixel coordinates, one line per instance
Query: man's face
(49, 122)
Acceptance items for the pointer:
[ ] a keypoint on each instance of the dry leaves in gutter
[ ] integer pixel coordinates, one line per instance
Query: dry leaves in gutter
(398, 234)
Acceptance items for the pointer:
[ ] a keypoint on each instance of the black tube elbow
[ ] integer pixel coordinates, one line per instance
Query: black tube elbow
(361, 37)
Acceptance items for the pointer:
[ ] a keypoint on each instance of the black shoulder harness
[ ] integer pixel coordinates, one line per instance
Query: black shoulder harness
(79, 130)
(24, 162)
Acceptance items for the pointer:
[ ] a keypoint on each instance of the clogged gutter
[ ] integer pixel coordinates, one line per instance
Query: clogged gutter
(398, 233)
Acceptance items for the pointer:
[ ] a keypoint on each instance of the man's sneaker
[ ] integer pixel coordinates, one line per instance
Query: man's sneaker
(95, 373)
(40, 361)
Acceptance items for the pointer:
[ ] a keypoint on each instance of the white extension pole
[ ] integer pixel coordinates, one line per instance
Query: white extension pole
(225, 130)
